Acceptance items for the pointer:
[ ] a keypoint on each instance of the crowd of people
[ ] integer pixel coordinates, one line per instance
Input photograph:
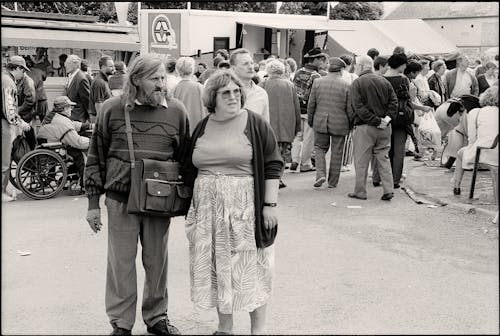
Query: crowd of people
(235, 128)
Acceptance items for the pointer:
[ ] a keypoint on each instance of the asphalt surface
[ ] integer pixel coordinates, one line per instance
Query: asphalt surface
(393, 267)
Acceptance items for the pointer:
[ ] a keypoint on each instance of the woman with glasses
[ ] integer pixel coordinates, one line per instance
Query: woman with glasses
(234, 166)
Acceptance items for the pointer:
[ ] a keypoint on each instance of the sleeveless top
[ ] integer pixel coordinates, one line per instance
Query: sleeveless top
(224, 148)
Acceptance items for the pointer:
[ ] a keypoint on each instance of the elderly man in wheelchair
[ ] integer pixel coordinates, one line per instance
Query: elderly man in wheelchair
(57, 127)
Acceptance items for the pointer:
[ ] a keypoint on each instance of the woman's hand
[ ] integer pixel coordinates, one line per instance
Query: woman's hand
(270, 217)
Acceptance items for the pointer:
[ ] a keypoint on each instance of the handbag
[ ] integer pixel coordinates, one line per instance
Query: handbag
(156, 187)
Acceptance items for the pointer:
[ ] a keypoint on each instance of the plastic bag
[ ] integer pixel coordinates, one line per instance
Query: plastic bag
(429, 131)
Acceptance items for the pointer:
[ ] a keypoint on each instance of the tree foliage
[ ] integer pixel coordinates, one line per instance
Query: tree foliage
(357, 11)
(104, 10)
(304, 8)
(240, 6)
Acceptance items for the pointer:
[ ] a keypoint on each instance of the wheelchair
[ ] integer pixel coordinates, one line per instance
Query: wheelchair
(45, 171)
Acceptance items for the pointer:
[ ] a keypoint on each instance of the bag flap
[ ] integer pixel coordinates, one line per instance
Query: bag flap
(158, 189)
(164, 170)
(184, 191)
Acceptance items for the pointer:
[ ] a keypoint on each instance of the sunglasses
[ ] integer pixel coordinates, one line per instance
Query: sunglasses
(226, 94)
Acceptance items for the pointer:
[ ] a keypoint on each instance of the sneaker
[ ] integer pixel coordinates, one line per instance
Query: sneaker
(294, 166)
(396, 186)
(305, 169)
(353, 195)
(331, 186)
(345, 169)
(387, 197)
(7, 198)
(120, 331)
(282, 185)
(319, 182)
(163, 327)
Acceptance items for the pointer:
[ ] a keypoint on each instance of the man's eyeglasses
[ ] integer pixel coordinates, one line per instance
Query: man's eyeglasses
(226, 94)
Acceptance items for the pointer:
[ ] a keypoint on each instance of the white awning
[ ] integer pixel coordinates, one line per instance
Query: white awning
(52, 38)
(279, 22)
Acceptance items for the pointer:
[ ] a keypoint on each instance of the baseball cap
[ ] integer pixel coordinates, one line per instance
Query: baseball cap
(61, 102)
(18, 60)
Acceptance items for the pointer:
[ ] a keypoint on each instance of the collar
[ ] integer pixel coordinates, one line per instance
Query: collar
(163, 103)
(366, 72)
(309, 66)
(103, 76)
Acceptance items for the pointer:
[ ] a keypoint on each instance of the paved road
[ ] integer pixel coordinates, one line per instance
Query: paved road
(386, 268)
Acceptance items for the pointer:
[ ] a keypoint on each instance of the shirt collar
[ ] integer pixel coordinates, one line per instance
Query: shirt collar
(163, 102)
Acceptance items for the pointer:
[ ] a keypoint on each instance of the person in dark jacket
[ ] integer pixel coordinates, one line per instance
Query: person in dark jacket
(436, 83)
(235, 155)
(38, 76)
(374, 105)
(26, 100)
(77, 88)
(489, 78)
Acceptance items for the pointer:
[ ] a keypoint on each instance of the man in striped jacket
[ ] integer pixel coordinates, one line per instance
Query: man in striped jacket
(327, 112)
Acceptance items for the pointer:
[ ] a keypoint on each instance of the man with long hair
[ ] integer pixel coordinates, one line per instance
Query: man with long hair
(160, 130)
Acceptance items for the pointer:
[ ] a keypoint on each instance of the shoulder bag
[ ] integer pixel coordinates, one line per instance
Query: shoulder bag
(156, 187)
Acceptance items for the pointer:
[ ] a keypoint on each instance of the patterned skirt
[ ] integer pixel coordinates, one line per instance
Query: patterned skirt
(227, 270)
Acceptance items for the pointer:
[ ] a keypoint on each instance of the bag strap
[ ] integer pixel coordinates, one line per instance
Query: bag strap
(130, 141)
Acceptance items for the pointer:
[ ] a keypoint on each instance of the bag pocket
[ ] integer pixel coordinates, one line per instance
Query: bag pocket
(158, 195)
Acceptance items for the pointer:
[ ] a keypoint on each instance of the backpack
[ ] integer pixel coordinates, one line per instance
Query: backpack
(405, 114)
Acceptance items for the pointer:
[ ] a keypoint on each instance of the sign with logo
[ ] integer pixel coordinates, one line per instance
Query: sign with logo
(25, 51)
(164, 36)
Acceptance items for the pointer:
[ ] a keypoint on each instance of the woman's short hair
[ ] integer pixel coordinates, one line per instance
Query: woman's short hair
(489, 97)
(275, 67)
(397, 60)
(292, 63)
(437, 64)
(412, 66)
(185, 66)
(217, 80)
(490, 65)
(347, 59)
(379, 61)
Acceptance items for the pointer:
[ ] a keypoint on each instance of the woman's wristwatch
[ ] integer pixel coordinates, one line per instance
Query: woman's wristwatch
(272, 205)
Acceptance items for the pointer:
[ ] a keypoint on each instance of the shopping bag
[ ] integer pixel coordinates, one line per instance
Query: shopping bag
(429, 131)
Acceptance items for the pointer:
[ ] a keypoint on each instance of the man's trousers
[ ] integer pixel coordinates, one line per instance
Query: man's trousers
(124, 230)
(302, 147)
(323, 142)
(369, 141)
(397, 152)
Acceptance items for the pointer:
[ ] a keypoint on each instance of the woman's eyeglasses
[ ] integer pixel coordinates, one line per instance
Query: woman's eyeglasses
(226, 94)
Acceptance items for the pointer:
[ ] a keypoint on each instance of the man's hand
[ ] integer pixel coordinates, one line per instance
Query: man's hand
(427, 109)
(24, 126)
(270, 217)
(383, 124)
(94, 219)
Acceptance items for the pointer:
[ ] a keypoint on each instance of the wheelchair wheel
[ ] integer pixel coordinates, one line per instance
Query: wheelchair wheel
(41, 174)
(12, 175)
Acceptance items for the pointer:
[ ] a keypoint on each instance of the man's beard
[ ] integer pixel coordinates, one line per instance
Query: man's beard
(155, 98)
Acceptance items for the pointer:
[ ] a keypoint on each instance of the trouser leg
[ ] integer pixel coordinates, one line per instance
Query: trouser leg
(397, 153)
(363, 146)
(321, 145)
(375, 173)
(381, 152)
(337, 146)
(154, 241)
(121, 276)
(78, 161)
(30, 138)
(297, 144)
(6, 153)
(307, 145)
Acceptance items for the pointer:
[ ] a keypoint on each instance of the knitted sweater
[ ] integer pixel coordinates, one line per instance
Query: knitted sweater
(158, 133)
